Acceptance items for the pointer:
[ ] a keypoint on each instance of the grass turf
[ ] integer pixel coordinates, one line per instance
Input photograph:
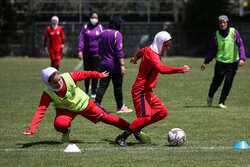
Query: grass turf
(211, 132)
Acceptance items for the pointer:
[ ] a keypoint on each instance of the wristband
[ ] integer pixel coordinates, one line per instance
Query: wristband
(122, 65)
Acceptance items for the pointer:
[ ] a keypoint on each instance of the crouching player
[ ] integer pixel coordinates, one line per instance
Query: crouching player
(149, 108)
(69, 101)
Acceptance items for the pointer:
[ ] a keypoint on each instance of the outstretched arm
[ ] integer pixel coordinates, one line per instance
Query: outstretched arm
(40, 111)
(81, 75)
(138, 55)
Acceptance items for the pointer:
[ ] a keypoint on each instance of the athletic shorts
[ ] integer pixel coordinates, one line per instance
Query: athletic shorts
(146, 103)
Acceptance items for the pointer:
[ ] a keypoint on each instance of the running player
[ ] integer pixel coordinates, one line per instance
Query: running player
(149, 108)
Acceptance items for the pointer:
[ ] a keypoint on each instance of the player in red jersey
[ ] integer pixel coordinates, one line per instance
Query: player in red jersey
(56, 42)
(70, 101)
(149, 108)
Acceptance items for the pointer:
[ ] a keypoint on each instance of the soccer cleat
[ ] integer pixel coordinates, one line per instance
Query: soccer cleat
(121, 141)
(221, 105)
(124, 109)
(145, 139)
(65, 137)
(209, 101)
(93, 95)
(142, 137)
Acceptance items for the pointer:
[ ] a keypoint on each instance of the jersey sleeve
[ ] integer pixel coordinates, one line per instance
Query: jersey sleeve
(81, 75)
(240, 45)
(118, 45)
(155, 61)
(40, 111)
(81, 40)
(140, 53)
(62, 33)
(46, 34)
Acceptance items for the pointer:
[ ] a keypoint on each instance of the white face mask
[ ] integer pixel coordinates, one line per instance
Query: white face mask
(93, 21)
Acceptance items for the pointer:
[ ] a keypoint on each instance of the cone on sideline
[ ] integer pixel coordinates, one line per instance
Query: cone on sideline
(72, 148)
(241, 145)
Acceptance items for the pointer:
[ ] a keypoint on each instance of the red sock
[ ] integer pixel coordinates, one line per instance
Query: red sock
(139, 123)
(115, 121)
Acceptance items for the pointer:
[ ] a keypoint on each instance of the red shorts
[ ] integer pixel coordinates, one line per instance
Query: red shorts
(93, 113)
(146, 103)
(55, 58)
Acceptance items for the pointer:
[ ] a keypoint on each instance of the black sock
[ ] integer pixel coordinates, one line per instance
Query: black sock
(127, 133)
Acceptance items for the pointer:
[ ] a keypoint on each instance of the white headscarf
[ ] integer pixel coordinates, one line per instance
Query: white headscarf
(54, 18)
(159, 39)
(45, 74)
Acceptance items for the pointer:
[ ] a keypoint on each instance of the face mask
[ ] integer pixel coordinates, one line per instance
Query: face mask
(93, 21)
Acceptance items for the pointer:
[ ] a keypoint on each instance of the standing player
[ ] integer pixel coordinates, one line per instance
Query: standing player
(56, 42)
(112, 61)
(149, 108)
(69, 101)
(88, 50)
(228, 50)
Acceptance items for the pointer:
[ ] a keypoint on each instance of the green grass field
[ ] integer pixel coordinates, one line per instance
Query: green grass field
(211, 132)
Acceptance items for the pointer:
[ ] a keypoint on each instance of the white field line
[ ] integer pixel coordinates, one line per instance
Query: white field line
(118, 148)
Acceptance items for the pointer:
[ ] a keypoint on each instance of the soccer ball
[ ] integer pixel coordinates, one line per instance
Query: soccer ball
(176, 137)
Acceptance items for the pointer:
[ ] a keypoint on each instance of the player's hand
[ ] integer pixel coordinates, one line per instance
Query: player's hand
(133, 60)
(186, 68)
(80, 55)
(27, 133)
(203, 66)
(46, 49)
(241, 62)
(123, 70)
(105, 73)
(62, 46)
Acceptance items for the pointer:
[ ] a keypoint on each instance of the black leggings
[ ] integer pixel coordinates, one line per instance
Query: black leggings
(91, 64)
(117, 80)
(221, 71)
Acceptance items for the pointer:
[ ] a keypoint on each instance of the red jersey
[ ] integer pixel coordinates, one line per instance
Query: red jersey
(150, 68)
(55, 38)
(45, 99)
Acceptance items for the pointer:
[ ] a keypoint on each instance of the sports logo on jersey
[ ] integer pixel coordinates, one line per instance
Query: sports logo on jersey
(97, 33)
(52, 33)
(58, 32)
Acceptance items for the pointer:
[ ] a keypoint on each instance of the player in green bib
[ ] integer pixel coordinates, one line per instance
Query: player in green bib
(228, 50)
(69, 101)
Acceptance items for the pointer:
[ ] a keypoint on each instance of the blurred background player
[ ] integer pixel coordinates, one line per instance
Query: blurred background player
(56, 42)
(112, 61)
(228, 50)
(69, 101)
(149, 108)
(88, 50)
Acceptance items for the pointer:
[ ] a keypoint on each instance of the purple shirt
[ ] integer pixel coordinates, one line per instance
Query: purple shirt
(89, 40)
(111, 51)
(214, 47)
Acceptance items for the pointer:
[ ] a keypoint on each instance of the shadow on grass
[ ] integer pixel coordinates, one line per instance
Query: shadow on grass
(199, 107)
(26, 145)
(129, 143)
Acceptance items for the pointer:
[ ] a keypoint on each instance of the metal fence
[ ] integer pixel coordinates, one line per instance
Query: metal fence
(135, 36)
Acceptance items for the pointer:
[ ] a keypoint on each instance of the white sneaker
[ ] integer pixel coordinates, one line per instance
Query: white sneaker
(124, 109)
(93, 95)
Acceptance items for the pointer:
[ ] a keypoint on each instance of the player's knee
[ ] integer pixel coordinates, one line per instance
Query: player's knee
(61, 125)
(164, 113)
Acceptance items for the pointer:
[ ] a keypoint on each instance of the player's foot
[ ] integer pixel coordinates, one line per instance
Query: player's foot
(93, 95)
(209, 101)
(145, 139)
(65, 137)
(121, 141)
(221, 105)
(124, 109)
(142, 137)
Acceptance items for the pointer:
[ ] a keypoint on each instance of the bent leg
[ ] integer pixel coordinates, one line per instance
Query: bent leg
(95, 113)
(63, 120)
